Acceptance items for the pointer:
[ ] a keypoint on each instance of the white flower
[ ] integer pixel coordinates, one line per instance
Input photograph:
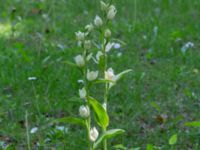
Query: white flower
(80, 81)
(92, 75)
(34, 130)
(109, 74)
(84, 111)
(98, 55)
(79, 60)
(98, 21)
(87, 44)
(109, 46)
(93, 134)
(82, 93)
(189, 44)
(111, 12)
(104, 6)
(62, 128)
(32, 78)
(186, 47)
(117, 46)
(80, 36)
(89, 27)
(107, 33)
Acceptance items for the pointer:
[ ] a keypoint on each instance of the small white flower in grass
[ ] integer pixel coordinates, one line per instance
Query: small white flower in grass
(80, 36)
(107, 33)
(80, 81)
(98, 55)
(109, 46)
(109, 74)
(89, 27)
(93, 134)
(117, 46)
(34, 130)
(79, 60)
(61, 128)
(189, 44)
(84, 111)
(186, 47)
(82, 93)
(111, 12)
(92, 75)
(32, 78)
(98, 21)
(87, 44)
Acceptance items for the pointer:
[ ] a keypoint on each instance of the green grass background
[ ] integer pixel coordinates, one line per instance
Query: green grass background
(152, 103)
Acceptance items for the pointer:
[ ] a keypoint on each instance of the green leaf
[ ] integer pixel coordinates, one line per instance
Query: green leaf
(149, 147)
(71, 120)
(108, 134)
(120, 147)
(119, 76)
(100, 112)
(70, 63)
(173, 139)
(193, 124)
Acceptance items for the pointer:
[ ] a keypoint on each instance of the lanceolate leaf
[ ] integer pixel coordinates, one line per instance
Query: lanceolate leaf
(193, 124)
(119, 76)
(70, 63)
(100, 113)
(108, 134)
(173, 139)
(70, 120)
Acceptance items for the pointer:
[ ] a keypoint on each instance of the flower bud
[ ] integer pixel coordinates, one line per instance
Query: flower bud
(104, 106)
(92, 75)
(89, 27)
(109, 74)
(79, 61)
(87, 44)
(109, 46)
(82, 93)
(98, 55)
(111, 12)
(84, 111)
(98, 21)
(107, 33)
(104, 6)
(93, 134)
(80, 36)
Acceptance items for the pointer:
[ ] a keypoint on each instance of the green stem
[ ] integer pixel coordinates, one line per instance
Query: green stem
(88, 120)
(27, 131)
(106, 86)
(88, 133)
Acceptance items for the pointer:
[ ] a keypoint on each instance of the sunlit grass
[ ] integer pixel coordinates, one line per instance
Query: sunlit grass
(5, 29)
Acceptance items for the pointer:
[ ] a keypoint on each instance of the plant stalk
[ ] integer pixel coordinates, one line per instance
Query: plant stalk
(105, 87)
(88, 120)
(27, 131)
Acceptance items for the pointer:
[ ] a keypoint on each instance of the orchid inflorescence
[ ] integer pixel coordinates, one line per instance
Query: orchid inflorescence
(104, 75)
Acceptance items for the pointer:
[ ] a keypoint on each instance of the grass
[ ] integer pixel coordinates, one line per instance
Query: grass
(151, 104)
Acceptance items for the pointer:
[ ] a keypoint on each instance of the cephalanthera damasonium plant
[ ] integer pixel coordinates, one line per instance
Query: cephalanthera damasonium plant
(96, 35)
